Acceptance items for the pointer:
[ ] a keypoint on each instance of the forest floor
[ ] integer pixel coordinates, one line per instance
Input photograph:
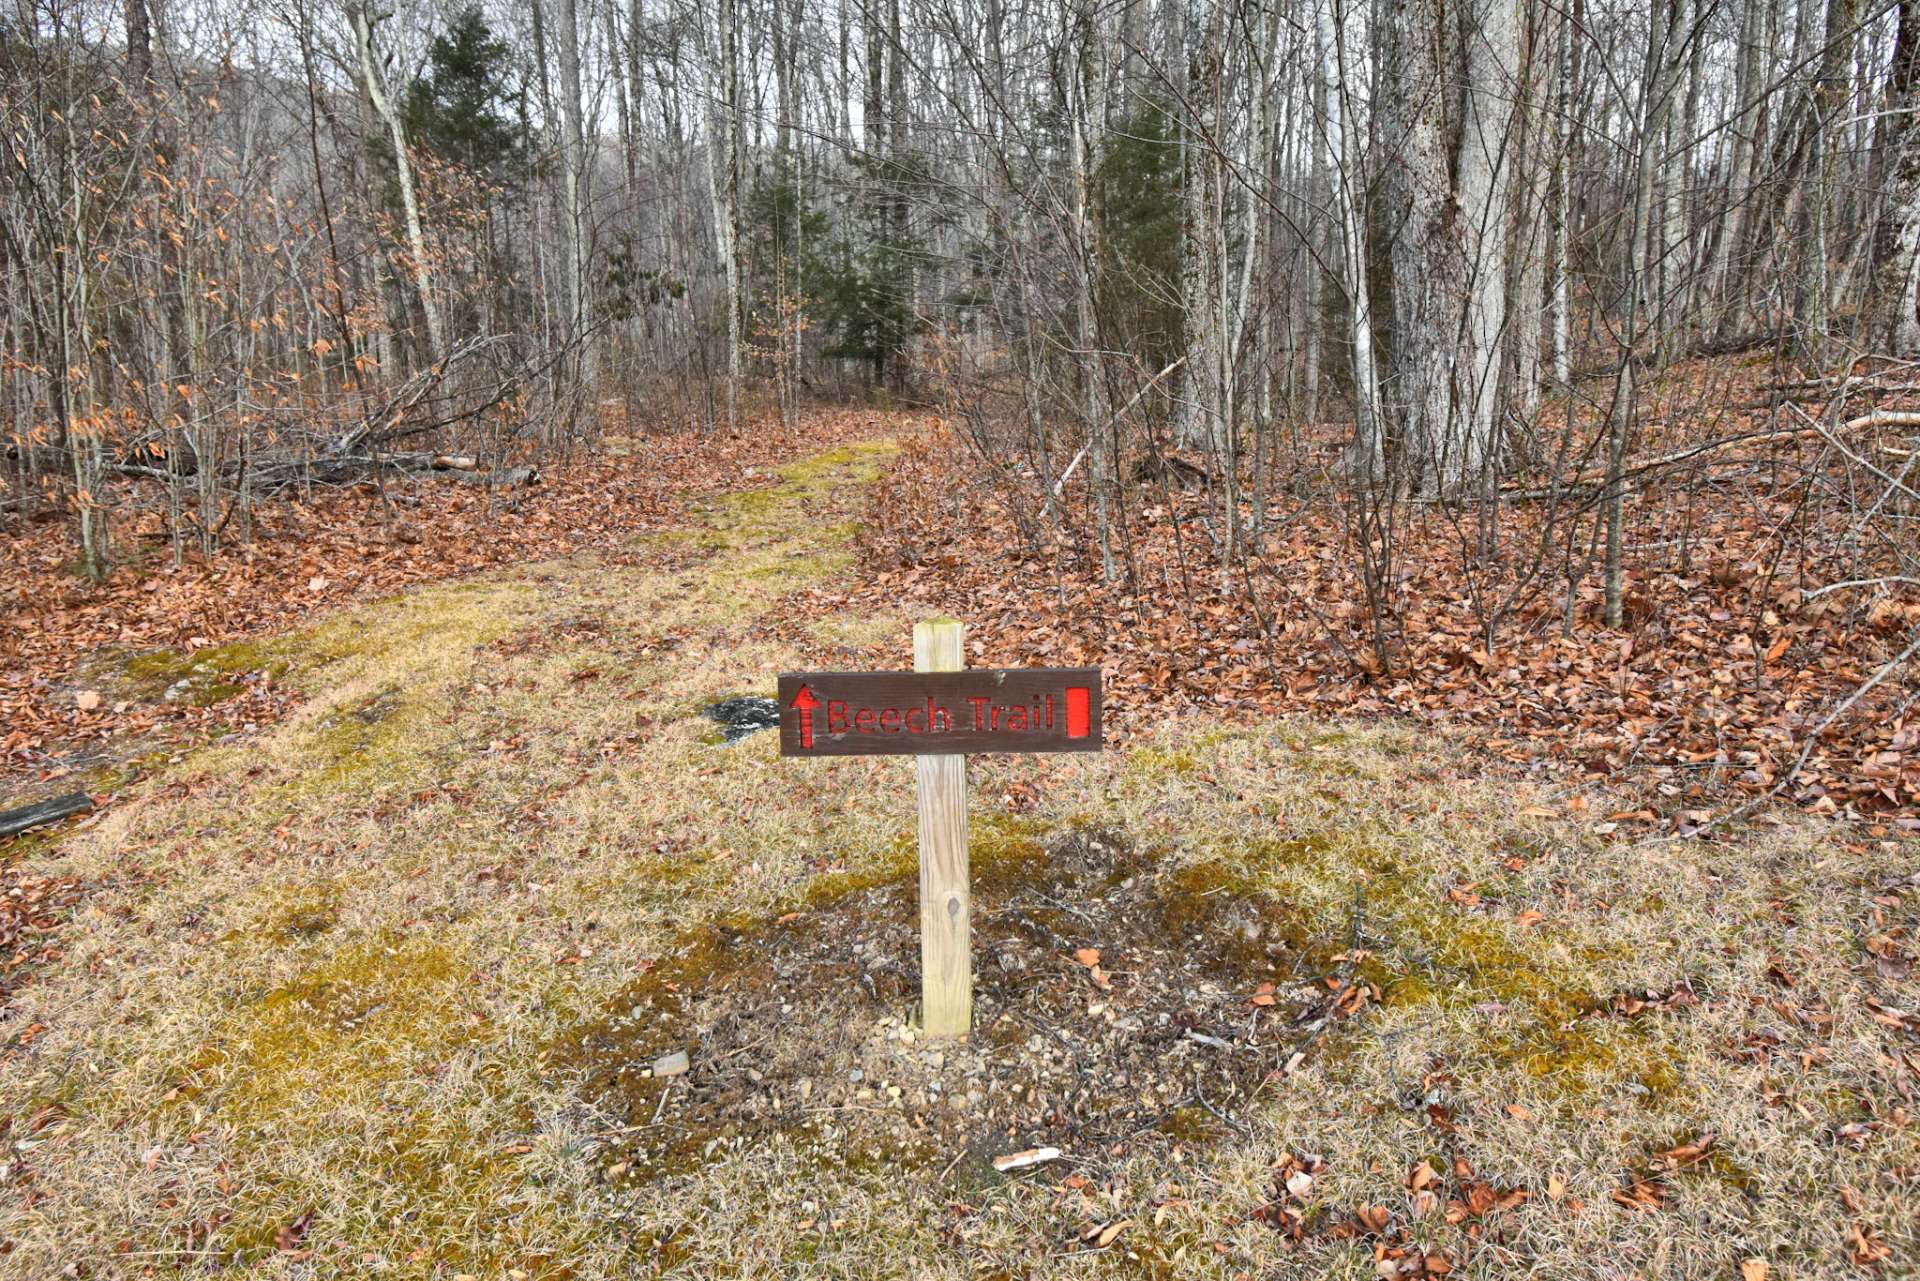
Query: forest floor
(368, 982)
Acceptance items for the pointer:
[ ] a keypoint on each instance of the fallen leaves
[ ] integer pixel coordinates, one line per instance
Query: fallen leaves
(309, 555)
(288, 1237)
(1683, 1155)
(32, 909)
(1088, 958)
(1689, 698)
(1639, 1196)
(1864, 1245)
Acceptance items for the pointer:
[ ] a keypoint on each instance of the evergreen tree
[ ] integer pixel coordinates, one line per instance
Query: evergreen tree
(1137, 189)
(459, 110)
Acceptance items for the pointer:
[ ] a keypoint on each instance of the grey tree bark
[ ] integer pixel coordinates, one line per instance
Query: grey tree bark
(1895, 293)
(373, 81)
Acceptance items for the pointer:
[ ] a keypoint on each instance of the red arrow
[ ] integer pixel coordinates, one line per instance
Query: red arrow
(804, 702)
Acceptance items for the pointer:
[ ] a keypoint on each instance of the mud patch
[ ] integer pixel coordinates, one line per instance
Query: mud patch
(1118, 1001)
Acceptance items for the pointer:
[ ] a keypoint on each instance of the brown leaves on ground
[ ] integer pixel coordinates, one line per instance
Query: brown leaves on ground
(31, 909)
(1731, 654)
(305, 556)
(1460, 1198)
(310, 555)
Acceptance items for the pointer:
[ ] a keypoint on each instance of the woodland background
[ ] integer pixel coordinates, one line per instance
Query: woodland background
(1535, 364)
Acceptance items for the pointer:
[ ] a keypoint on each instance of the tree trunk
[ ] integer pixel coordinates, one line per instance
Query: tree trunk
(1348, 183)
(383, 105)
(576, 186)
(1895, 294)
(1450, 178)
(1826, 137)
(1653, 93)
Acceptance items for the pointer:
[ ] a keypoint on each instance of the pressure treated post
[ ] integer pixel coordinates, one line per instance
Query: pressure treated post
(946, 939)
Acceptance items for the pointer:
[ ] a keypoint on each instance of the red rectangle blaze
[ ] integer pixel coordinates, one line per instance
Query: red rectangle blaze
(1076, 711)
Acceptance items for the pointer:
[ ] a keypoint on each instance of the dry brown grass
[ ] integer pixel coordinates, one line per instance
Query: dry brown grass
(337, 1029)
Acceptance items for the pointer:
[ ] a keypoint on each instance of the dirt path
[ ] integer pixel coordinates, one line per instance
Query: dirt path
(374, 992)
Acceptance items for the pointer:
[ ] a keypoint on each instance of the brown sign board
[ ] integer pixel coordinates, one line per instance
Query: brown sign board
(980, 709)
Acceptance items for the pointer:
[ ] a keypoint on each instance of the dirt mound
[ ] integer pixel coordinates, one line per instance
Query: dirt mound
(1117, 1001)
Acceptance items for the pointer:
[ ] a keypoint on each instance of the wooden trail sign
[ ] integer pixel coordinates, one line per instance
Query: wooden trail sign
(938, 712)
(1014, 709)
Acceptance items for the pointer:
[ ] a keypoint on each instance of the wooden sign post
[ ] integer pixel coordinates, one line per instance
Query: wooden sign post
(946, 904)
(938, 713)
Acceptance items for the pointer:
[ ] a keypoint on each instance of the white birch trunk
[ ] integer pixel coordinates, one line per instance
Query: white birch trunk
(363, 22)
(1485, 174)
(1346, 179)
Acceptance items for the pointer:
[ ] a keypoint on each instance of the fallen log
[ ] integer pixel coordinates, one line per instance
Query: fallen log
(26, 817)
(1885, 418)
(503, 478)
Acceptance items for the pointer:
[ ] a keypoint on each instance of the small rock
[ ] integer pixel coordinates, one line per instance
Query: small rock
(674, 1064)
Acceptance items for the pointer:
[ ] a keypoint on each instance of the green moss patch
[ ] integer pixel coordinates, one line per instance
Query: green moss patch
(367, 1014)
(203, 677)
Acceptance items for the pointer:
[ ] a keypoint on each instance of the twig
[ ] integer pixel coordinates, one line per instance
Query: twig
(1060, 484)
(1863, 582)
(1813, 737)
(1201, 1095)
(1831, 439)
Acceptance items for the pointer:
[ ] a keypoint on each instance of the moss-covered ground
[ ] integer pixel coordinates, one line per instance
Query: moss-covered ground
(381, 1001)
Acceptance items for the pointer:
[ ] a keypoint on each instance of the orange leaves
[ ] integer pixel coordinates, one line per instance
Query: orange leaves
(1864, 1246)
(1683, 691)
(1088, 958)
(1683, 1155)
(1640, 1196)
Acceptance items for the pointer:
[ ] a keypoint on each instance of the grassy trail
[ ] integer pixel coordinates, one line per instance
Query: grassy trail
(363, 993)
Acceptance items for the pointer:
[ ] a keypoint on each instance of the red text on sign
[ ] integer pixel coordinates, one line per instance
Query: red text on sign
(984, 714)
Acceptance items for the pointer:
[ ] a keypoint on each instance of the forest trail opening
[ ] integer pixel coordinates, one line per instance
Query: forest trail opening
(377, 990)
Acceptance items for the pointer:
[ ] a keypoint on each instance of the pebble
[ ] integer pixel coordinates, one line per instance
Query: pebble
(671, 1064)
